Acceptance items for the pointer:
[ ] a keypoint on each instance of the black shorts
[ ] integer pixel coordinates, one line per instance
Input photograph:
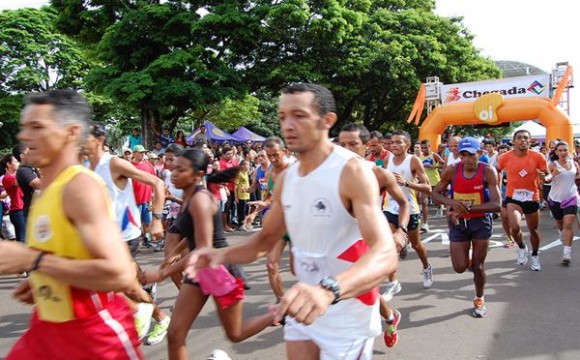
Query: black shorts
(558, 212)
(133, 245)
(479, 228)
(394, 219)
(528, 207)
(546, 191)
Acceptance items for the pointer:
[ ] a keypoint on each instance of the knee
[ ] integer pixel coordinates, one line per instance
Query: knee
(477, 267)
(234, 336)
(176, 336)
(460, 268)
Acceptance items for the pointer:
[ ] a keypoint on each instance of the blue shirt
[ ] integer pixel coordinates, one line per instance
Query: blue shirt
(135, 140)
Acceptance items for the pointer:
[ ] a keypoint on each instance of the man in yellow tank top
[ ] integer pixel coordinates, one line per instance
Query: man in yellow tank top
(75, 255)
(432, 162)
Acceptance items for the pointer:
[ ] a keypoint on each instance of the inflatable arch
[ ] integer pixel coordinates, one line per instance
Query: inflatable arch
(556, 122)
(491, 108)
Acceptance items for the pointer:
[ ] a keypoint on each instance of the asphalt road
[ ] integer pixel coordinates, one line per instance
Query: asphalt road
(531, 315)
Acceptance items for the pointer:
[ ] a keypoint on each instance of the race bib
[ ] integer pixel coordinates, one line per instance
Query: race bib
(469, 199)
(523, 195)
(52, 298)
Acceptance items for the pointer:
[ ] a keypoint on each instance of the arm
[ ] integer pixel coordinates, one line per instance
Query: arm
(494, 203)
(441, 188)
(126, 169)
(111, 268)
(388, 182)
(419, 172)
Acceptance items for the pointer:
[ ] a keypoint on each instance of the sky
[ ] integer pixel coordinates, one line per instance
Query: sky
(536, 32)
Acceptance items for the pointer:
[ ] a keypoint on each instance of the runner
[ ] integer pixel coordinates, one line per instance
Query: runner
(377, 153)
(509, 242)
(118, 176)
(431, 163)
(355, 137)
(199, 224)
(563, 196)
(474, 195)
(75, 255)
(523, 167)
(410, 175)
(452, 156)
(329, 192)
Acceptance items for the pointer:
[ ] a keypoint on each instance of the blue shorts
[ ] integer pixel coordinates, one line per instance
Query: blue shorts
(394, 219)
(145, 213)
(479, 228)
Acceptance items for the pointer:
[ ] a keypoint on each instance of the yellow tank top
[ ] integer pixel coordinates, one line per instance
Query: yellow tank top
(49, 229)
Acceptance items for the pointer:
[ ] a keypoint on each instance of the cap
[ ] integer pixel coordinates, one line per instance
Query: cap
(127, 150)
(153, 156)
(139, 148)
(470, 145)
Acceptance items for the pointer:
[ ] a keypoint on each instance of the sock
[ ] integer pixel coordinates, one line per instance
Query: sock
(567, 250)
(522, 245)
(534, 252)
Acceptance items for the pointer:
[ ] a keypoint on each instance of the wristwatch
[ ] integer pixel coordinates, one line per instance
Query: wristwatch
(407, 183)
(330, 283)
(157, 215)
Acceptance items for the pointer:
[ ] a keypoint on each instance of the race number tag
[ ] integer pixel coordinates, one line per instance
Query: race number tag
(523, 195)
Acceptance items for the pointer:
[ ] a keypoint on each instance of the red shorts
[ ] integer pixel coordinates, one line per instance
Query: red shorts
(107, 335)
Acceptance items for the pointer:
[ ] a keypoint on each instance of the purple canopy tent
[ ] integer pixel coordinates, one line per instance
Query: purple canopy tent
(214, 134)
(245, 135)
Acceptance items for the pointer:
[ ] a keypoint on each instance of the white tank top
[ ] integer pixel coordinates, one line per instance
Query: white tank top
(403, 169)
(126, 212)
(564, 183)
(326, 240)
(451, 159)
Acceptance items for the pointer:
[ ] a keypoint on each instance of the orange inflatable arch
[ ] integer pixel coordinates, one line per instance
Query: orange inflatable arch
(543, 109)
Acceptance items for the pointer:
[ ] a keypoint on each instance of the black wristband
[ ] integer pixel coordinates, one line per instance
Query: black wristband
(36, 263)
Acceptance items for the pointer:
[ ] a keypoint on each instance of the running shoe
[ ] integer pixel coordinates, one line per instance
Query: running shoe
(159, 246)
(567, 259)
(536, 263)
(479, 309)
(522, 255)
(151, 289)
(391, 335)
(425, 228)
(428, 277)
(143, 319)
(393, 288)
(218, 354)
(159, 331)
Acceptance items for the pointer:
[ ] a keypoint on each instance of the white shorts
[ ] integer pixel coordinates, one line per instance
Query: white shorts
(331, 348)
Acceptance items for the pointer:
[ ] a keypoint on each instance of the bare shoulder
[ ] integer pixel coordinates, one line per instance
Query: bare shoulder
(357, 175)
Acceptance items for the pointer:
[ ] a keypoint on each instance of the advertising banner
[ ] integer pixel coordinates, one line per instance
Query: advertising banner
(514, 87)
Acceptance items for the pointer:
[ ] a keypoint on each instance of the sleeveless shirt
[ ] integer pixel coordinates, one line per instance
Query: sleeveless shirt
(470, 190)
(127, 215)
(403, 169)
(564, 184)
(327, 241)
(50, 230)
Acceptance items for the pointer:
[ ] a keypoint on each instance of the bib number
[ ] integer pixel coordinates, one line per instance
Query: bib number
(523, 195)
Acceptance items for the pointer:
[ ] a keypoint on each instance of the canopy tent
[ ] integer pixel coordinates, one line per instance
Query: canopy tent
(214, 134)
(244, 135)
(537, 131)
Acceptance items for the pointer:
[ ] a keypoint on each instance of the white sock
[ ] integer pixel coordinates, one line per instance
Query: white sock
(567, 250)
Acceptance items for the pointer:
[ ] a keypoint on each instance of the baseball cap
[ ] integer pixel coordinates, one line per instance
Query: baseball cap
(127, 150)
(139, 148)
(153, 156)
(470, 145)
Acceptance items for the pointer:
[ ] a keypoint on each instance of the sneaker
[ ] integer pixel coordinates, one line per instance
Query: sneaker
(479, 309)
(393, 288)
(567, 259)
(151, 289)
(428, 277)
(143, 319)
(159, 331)
(159, 246)
(218, 354)
(425, 228)
(509, 243)
(536, 263)
(391, 336)
(522, 255)
(405, 250)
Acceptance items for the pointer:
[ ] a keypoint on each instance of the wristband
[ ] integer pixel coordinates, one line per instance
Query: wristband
(36, 263)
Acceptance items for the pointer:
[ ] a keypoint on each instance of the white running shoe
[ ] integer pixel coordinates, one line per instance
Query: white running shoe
(393, 288)
(425, 228)
(522, 255)
(536, 263)
(428, 277)
(567, 259)
(143, 319)
(218, 354)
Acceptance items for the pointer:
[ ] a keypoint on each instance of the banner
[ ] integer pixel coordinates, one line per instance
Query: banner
(514, 87)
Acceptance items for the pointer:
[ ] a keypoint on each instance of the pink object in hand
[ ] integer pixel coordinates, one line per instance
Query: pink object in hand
(216, 282)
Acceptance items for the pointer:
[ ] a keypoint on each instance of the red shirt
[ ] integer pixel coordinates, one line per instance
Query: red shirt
(142, 191)
(14, 191)
(224, 165)
(380, 160)
(469, 190)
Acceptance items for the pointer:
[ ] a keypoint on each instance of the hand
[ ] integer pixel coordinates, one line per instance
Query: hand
(303, 302)
(156, 229)
(400, 179)
(170, 261)
(237, 201)
(15, 258)
(148, 277)
(454, 218)
(23, 293)
(400, 239)
(459, 208)
(202, 258)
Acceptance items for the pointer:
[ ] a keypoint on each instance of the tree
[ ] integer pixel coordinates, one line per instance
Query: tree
(33, 57)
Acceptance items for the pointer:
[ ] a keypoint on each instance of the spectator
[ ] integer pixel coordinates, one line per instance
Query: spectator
(135, 138)
(9, 167)
(28, 178)
(158, 149)
(127, 154)
(201, 137)
(143, 191)
(180, 138)
(165, 138)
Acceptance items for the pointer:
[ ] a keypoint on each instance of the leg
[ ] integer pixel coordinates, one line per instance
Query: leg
(514, 215)
(532, 220)
(188, 305)
(171, 241)
(460, 255)
(424, 211)
(393, 276)
(302, 350)
(567, 226)
(237, 329)
(506, 224)
(418, 246)
(273, 266)
(480, 248)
